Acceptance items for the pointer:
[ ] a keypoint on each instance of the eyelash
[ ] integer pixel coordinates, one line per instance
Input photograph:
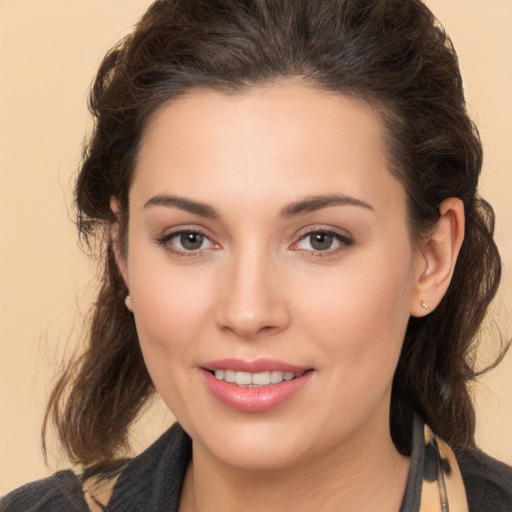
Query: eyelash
(180, 253)
(344, 241)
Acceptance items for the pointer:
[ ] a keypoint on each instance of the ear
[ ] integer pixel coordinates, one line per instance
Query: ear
(114, 236)
(436, 258)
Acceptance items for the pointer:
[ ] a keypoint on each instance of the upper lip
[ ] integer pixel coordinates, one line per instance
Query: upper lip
(256, 366)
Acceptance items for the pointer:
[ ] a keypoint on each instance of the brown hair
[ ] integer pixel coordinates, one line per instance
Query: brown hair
(390, 53)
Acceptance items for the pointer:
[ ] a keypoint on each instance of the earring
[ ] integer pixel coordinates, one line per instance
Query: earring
(424, 305)
(128, 302)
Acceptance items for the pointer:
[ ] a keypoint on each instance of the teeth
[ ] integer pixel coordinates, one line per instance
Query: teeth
(243, 378)
(255, 379)
(261, 379)
(276, 377)
(229, 376)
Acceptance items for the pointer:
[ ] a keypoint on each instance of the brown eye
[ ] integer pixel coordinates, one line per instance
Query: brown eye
(321, 241)
(328, 242)
(191, 241)
(186, 242)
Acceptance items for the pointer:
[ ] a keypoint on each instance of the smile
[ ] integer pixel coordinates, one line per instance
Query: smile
(260, 379)
(254, 386)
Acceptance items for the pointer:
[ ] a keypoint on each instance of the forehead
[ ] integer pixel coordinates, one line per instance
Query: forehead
(282, 139)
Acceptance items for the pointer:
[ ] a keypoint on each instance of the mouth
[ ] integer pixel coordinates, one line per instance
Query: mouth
(255, 386)
(260, 379)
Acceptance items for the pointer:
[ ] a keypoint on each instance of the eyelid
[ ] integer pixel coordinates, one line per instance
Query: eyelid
(182, 253)
(344, 239)
(342, 236)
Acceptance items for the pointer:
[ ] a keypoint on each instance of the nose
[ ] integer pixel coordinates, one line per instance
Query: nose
(252, 298)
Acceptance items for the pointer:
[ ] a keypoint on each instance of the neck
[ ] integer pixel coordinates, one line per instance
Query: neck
(364, 473)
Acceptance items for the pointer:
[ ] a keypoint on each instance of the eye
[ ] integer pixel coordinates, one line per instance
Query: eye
(189, 241)
(319, 241)
(186, 242)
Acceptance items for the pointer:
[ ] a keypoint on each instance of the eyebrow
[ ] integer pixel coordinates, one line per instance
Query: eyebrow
(202, 209)
(315, 203)
(306, 205)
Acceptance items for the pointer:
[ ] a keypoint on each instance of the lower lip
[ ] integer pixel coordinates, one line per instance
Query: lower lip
(254, 399)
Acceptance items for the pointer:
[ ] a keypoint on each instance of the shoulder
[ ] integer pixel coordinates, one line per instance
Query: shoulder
(150, 481)
(488, 481)
(59, 492)
(153, 480)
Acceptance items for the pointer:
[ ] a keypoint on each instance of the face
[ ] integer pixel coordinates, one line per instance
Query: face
(268, 244)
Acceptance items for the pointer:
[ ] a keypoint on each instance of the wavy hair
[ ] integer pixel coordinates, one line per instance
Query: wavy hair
(391, 54)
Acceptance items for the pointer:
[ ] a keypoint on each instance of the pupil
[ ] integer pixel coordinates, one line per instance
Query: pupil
(191, 241)
(321, 241)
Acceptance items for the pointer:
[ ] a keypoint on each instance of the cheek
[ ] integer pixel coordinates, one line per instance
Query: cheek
(360, 316)
(170, 304)
(171, 311)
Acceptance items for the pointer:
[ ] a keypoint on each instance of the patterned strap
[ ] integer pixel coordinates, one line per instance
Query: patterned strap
(443, 489)
(97, 491)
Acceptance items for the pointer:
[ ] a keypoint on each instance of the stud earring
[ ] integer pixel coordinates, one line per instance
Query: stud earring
(424, 305)
(128, 302)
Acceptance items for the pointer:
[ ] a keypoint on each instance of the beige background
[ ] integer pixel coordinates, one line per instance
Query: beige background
(49, 51)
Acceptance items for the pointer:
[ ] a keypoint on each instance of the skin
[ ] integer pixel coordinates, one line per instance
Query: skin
(256, 288)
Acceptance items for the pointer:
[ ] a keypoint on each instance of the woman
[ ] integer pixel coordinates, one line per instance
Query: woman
(295, 259)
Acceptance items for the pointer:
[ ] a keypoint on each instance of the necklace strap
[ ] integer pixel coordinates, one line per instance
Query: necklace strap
(443, 488)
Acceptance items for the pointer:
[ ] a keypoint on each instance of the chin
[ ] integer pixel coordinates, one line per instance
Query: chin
(258, 444)
(258, 457)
